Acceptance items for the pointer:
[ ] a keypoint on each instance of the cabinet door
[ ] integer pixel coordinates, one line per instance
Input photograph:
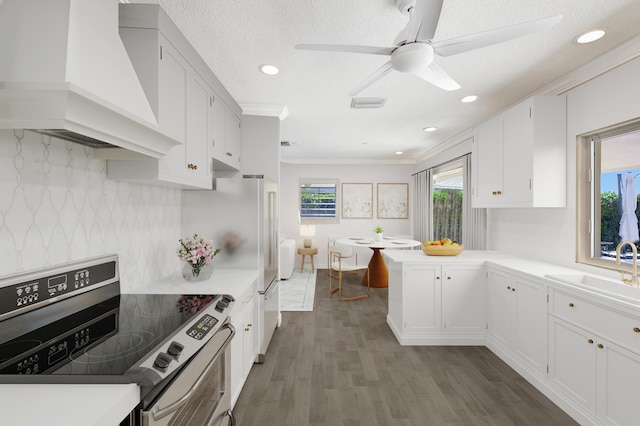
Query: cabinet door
(250, 337)
(172, 88)
(486, 164)
(517, 154)
(618, 384)
(233, 139)
(464, 293)
(197, 152)
(572, 362)
(218, 129)
(499, 298)
(421, 299)
(529, 331)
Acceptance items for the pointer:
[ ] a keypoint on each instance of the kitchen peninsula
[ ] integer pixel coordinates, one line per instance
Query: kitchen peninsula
(574, 336)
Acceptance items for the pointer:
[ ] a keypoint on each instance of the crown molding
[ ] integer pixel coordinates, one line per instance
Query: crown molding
(266, 110)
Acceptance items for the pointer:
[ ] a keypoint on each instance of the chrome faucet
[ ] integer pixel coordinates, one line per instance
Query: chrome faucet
(634, 276)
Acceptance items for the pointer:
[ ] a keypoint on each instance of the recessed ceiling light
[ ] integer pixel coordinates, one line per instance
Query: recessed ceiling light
(590, 36)
(269, 69)
(430, 129)
(468, 99)
(399, 152)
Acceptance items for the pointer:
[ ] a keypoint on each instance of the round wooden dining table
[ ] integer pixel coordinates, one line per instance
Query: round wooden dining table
(378, 272)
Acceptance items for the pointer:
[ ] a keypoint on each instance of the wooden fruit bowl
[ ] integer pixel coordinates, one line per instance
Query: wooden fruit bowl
(443, 250)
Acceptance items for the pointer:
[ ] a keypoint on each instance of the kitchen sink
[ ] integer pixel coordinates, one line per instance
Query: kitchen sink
(599, 284)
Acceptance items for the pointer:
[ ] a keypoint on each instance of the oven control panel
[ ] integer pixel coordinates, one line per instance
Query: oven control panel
(176, 351)
(25, 293)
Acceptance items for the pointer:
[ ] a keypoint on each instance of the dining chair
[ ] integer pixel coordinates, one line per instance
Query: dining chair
(331, 241)
(344, 260)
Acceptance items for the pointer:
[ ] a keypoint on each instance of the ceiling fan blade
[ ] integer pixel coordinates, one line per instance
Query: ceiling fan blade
(487, 38)
(424, 20)
(371, 50)
(438, 77)
(377, 75)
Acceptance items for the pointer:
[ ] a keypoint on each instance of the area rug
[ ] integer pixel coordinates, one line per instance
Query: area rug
(297, 293)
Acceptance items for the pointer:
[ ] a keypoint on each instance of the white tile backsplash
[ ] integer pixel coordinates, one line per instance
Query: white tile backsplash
(57, 205)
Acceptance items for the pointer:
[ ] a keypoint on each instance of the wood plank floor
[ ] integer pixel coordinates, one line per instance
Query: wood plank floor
(341, 365)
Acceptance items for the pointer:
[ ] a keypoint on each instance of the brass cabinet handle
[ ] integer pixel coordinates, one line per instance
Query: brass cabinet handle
(448, 278)
(590, 341)
(508, 287)
(600, 345)
(229, 154)
(571, 305)
(494, 193)
(513, 289)
(192, 166)
(499, 192)
(636, 329)
(437, 278)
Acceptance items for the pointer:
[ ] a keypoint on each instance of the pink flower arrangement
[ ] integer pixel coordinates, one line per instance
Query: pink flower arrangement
(192, 303)
(197, 252)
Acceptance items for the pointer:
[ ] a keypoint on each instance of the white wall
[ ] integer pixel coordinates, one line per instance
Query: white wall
(289, 203)
(57, 205)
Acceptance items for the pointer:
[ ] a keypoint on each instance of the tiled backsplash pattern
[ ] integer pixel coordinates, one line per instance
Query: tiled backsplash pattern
(57, 205)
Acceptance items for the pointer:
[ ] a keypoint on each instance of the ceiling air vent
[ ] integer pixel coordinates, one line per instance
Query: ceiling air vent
(285, 143)
(367, 102)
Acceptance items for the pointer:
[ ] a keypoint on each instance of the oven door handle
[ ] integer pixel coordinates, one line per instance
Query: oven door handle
(159, 413)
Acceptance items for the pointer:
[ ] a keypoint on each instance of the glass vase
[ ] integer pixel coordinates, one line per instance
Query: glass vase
(194, 274)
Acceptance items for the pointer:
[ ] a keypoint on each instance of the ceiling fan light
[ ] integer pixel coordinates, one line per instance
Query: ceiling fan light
(467, 99)
(590, 36)
(269, 69)
(399, 152)
(430, 129)
(412, 57)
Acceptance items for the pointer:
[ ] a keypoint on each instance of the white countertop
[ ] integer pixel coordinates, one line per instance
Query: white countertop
(604, 288)
(223, 281)
(69, 405)
(417, 256)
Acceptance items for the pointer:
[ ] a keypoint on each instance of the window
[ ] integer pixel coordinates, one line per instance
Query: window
(604, 160)
(318, 201)
(447, 201)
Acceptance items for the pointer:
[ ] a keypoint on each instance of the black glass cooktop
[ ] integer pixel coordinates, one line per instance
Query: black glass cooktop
(103, 339)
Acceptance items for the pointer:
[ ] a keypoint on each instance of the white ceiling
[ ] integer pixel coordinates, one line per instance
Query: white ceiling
(236, 36)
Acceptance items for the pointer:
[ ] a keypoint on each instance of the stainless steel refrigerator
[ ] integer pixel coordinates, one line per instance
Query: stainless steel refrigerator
(242, 211)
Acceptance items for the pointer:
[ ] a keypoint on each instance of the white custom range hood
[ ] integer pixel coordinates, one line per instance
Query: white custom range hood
(65, 72)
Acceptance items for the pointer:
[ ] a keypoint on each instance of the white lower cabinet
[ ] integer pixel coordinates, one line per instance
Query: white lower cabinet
(594, 373)
(463, 294)
(435, 304)
(244, 346)
(516, 318)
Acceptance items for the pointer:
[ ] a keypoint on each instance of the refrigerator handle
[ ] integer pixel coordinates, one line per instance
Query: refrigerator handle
(273, 238)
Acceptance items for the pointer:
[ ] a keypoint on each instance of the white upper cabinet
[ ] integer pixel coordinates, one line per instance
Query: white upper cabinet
(225, 136)
(180, 99)
(181, 90)
(519, 156)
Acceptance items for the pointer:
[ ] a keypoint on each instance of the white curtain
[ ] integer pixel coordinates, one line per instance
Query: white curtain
(474, 221)
(423, 205)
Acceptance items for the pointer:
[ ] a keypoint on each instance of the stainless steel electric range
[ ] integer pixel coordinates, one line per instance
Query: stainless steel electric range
(71, 324)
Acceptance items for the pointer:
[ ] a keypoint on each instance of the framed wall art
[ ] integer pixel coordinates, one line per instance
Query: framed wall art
(357, 201)
(393, 201)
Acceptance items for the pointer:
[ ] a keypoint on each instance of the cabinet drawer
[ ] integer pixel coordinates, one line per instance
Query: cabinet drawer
(242, 302)
(605, 322)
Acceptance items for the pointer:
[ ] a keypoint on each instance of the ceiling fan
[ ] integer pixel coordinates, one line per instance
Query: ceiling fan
(414, 50)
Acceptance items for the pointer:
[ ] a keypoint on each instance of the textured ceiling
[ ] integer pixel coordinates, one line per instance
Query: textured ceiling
(236, 36)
